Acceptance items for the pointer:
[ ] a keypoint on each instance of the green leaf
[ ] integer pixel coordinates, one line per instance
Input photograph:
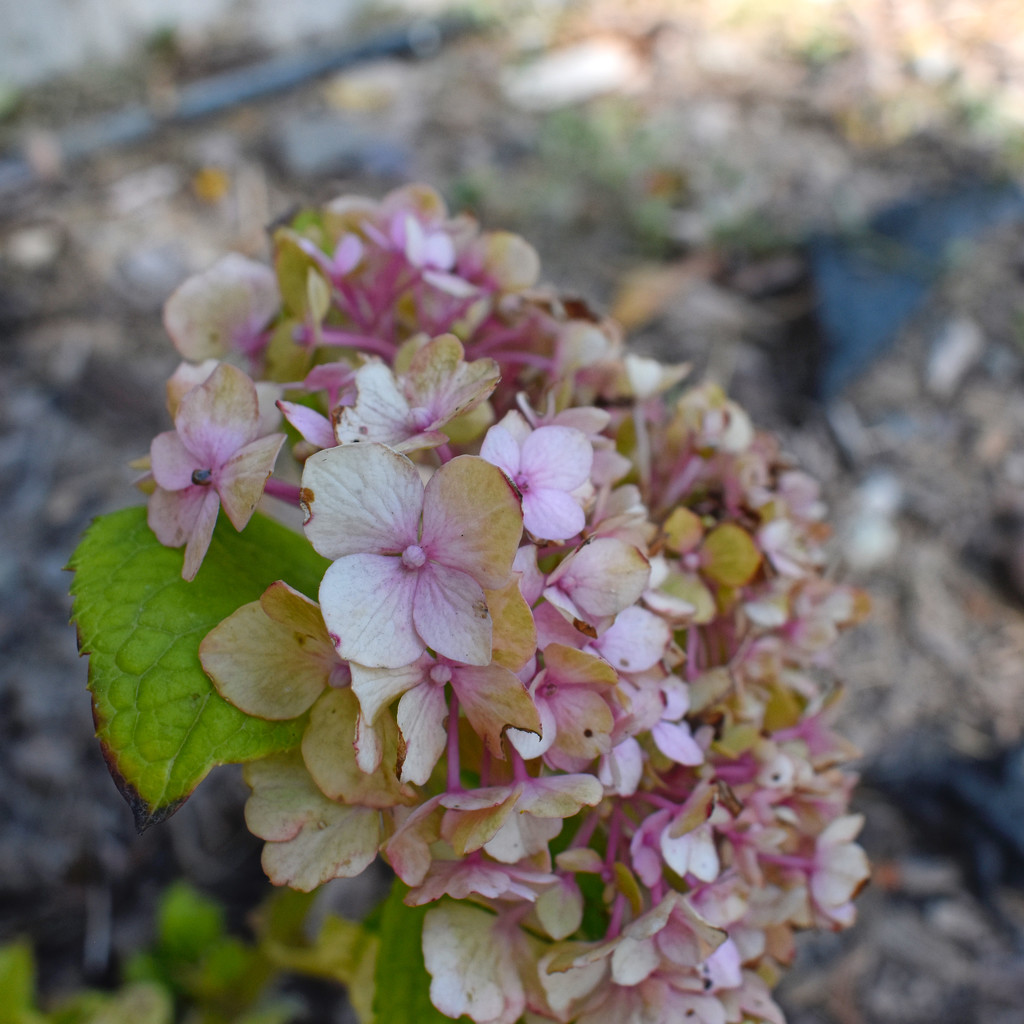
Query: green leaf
(139, 1003)
(18, 984)
(188, 923)
(161, 724)
(402, 984)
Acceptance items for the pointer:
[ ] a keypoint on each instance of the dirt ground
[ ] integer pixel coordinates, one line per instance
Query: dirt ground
(677, 173)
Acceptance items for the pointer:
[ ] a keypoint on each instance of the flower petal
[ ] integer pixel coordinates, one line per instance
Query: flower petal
(376, 688)
(381, 412)
(440, 381)
(361, 498)
(201, 534)
(219, 416)
(312, 425)
(471, 970)
(328, 749)
(636, 640)
(501, 449)
(514, 639)
(222, 308)
(556, 457)
(451, 616)
(172, 514)
(472, 520)
(552, 515)
(421, 715)
(172, 463)
(602, 577)
(494, 700)
(367, 604)
(310, 839)
(270, 667)
(241, 480)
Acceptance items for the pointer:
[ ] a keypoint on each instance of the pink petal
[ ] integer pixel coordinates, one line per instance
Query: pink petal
(219, 416)
(171, 461)
(501, 449)
(585, 723)
(636, 640)
(241, 480)
(381, 412)
(442, 383)
(557, 457)
(421, 715)
(222, 308)
(603, 576)
(560, 796)
(451, 615)
(551, 514)
(361, 498)
(328, 751)
(202, 532)
(347, 253)
(367, 602)
(693, 853)
(439, 251)
(674, 740)
(622, 768)
(472, 520)
(313, 426)
(173, 514)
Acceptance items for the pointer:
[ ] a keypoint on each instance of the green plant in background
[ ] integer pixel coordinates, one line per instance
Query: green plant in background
(197, 972)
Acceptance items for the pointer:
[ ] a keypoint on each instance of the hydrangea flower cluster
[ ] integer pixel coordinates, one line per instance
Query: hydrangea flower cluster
(567, 670)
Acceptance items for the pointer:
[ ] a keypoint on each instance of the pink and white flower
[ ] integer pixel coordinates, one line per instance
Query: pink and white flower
(546, 465)
(410, 564)
(213, 457)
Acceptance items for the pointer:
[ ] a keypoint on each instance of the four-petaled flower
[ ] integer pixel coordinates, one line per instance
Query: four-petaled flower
(213, 457)
(547, 465)
(410, 564)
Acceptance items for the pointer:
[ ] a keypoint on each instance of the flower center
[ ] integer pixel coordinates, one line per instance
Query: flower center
(440, 674)
(523, 483)
(202, 477)
(414, 557)
(421, 417)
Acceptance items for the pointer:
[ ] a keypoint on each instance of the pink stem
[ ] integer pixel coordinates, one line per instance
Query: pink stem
(684, 476)
(618, 912)
(365, 342)
(519, 772)
(525, 359)
(282, 490)
(586, 831)
(614, 834)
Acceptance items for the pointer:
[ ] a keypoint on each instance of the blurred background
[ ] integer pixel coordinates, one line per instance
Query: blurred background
(817, 202)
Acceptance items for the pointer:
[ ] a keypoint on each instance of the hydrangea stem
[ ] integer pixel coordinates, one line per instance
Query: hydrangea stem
(282, 490)
(363, 342)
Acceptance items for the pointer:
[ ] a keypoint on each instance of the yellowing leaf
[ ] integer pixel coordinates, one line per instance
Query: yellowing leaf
(729, 555)
(737, 740)
(683, 530)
